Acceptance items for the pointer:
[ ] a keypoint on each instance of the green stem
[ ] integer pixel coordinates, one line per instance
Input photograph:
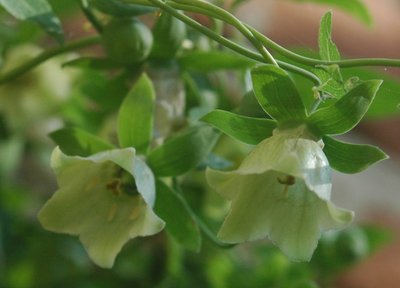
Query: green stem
(21, 70)
(227, 17)
(210, 235)
(292, 55)
(90, 16)
(230, 44)
(316, 104)
(313, 62)
(203, 227)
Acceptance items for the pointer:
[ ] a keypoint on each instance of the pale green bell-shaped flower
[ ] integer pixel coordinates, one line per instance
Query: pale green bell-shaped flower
(281, 190)
(106, 199)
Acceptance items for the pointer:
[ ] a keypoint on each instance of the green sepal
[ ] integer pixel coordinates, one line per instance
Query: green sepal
(327, 48)
(246, 129)
(120, 9)
(77, 142)
(277, 94)
(180, 224)
(347, 112)
(351, 158)
(135, 117)
(183, 152)
(210, 61)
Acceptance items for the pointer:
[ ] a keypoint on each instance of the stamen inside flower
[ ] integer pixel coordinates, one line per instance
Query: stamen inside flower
(122, 184)
(287, 180)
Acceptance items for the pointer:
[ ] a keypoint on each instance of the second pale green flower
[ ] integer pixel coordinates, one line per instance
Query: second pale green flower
(281, 190)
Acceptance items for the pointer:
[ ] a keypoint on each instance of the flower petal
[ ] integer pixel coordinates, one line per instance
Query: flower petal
(293, 219)
(87, 205)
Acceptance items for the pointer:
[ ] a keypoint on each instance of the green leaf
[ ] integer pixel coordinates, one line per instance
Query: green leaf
(332, 80)
(119, 9)
(183, 152)
(74, 141)
(351, 158)
(135, 117)
(246, 129)
(179, 222)
(327, 48)
(211, 61)
(388, 97)
(355, 8)
(347, 112)
(92, 63)
(277, 94)
(38, 11)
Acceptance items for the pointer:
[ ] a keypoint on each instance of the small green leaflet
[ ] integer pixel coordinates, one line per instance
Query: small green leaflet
(246, 129)
(345, 114)
(135, 117)
(327, 48)
(38, 11)
(351, 158)
(179, 222)
(332, 80)
(182, 152)
(77, 142)
(277, 94)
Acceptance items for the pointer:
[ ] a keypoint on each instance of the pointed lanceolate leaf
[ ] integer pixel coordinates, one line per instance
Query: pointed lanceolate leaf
(74, 141)
(246, 129)
(38, 11)
(327, 48)
(135, 118)
(277, 94)
(351, 158)
(183, 152)
(345, 114)
(179, 222)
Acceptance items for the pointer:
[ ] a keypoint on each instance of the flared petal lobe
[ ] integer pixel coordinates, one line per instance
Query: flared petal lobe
(91, 204)
(281, 190)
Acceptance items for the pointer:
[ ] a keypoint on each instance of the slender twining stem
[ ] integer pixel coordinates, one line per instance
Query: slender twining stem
(313, 62)
(315, 104)
(90, 16)
(75, 45)
(230, 44)
(292, 55)
(227, 17)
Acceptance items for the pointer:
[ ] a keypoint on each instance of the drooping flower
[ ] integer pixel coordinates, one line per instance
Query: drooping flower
(105, 199)
(281, 190)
